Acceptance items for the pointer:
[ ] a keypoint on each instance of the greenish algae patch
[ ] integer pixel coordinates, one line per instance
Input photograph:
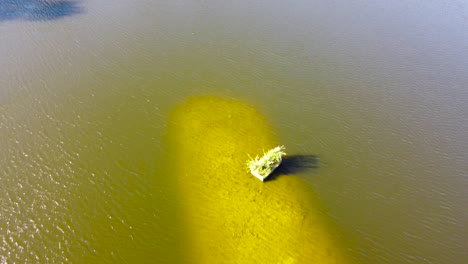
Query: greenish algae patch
(230, 216)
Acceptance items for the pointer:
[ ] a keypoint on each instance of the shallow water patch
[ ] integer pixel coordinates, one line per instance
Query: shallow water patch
(228, 214)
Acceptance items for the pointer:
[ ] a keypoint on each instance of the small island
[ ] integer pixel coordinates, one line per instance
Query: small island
(262, 167)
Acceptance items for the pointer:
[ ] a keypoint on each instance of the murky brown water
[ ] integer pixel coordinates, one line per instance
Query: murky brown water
(376, 90)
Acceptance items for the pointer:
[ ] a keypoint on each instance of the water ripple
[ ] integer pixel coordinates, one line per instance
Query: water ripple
(38, 10)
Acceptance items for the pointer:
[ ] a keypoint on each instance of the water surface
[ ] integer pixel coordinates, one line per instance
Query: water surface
(376, 90)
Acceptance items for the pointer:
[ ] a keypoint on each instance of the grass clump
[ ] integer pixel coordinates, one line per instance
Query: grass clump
(262, 167)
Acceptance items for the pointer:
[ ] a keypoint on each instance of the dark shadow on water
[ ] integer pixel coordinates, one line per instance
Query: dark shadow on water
(38, 10)
(294, 164)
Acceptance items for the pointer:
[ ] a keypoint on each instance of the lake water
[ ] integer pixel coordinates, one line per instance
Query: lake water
(378, 91)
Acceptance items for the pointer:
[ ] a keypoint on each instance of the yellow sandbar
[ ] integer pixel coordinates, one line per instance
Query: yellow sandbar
(230, 216)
